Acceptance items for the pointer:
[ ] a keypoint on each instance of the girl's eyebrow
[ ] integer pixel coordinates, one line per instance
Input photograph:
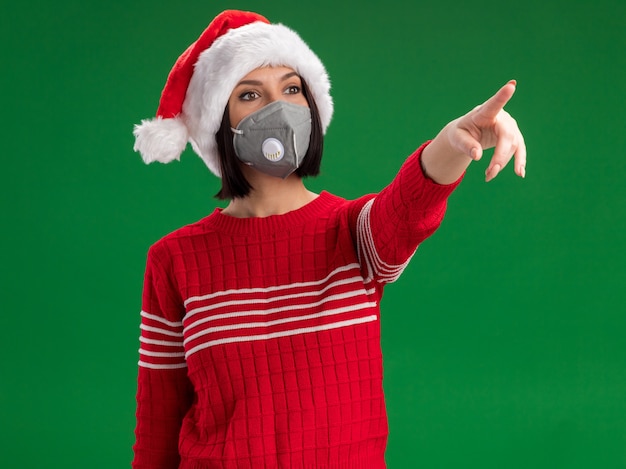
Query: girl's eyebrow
(287, 76)
(250, 82)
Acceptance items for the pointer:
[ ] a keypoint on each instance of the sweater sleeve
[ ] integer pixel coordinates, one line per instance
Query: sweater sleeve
(389, 226)
(164, 392)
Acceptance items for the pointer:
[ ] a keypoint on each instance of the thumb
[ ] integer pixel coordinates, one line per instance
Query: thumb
(464, 142)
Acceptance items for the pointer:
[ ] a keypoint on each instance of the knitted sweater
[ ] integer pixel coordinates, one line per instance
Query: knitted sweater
(260, 337)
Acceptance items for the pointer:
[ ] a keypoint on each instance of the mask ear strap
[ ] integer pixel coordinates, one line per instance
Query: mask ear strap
(237, 131)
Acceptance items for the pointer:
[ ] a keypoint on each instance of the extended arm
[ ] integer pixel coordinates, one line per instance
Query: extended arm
(391, 225)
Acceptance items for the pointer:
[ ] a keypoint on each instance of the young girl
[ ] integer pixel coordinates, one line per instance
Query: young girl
(260, 331)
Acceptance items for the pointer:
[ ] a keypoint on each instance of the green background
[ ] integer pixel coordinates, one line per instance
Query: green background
(504, 339)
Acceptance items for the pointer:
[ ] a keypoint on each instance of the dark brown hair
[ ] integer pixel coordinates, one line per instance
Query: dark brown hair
(234, 183)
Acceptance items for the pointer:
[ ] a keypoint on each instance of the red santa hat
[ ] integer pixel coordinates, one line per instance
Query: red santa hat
(200, 83)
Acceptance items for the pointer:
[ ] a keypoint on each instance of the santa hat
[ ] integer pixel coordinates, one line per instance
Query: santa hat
(200, 83)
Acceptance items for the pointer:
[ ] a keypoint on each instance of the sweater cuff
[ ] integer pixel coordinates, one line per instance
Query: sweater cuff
(417, 184)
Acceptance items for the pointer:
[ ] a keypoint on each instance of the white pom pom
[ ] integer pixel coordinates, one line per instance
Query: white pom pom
(161, 140)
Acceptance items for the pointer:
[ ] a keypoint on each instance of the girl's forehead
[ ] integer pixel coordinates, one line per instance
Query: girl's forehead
(268, 72)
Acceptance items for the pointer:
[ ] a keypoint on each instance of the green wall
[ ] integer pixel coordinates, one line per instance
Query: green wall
(504, 339)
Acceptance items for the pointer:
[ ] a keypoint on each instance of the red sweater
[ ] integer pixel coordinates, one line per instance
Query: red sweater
(260, 337)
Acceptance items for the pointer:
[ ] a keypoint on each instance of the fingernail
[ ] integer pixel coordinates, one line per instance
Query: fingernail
(523, 171)
(492, 172)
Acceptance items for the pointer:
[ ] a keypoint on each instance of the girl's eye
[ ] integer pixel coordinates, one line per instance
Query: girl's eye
(292, 90)
(249, 96)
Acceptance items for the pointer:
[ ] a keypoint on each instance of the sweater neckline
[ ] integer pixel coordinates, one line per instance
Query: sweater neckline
(272, 223)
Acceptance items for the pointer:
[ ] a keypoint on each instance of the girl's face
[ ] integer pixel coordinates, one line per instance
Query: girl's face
(261, 87)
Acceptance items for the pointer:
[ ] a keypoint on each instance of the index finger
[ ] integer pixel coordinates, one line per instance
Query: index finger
(490, 108)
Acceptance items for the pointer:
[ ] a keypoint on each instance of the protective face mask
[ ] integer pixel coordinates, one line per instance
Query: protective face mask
(275, 138)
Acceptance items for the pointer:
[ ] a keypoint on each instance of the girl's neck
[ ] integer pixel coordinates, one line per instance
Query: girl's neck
(270, 196)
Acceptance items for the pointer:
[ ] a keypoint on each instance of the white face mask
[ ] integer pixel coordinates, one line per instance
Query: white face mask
(275, 138)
